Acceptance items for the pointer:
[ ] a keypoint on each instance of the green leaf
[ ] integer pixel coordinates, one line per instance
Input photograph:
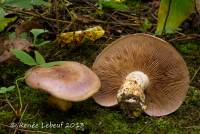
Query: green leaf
(2, 12)
(5, 21)
(172, 13)
(39, 58)
(4, 90)
(37, 32)
(19, 3)
(50, 64)
(2, 2)
(43, 43)
(24, 57)
(114, 4)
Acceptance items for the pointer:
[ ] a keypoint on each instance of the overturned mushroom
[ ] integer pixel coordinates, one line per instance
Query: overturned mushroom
(19, 44)
(70, 81)
(141, 72)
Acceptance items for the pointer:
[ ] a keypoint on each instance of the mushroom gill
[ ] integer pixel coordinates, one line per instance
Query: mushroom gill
(141, 72)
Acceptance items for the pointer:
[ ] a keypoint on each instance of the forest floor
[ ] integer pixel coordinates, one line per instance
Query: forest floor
(87, 116)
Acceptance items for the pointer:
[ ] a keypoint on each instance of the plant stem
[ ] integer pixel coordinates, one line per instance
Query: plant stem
(19, 93)
(21, 116)
(10, 105)
(23, 113)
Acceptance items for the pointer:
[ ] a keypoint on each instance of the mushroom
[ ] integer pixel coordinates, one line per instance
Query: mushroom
(70, 81)
(141, 72)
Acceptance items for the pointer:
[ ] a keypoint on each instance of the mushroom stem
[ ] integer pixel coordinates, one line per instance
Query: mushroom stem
(131, 95)
(60, 104)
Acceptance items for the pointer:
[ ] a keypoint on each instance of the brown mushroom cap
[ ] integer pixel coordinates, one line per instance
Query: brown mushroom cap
(166, 69)
(70, 81)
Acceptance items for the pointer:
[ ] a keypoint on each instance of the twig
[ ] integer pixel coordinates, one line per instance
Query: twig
(38, 16)
(185, 37)
(143, 128)
(116, 23)
(23, 112)
(90, 4)
(193, 127)
(128, 16)
(68, 22)
(10, 105)
(57, 15)
(30, 118)
(19, 93)
(196, 72)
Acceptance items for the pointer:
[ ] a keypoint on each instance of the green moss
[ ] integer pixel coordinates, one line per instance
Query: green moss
(88, 116)
(5, 115)
(188, 47)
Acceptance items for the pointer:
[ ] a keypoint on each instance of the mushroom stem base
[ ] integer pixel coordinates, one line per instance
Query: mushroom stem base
(130, 96)
(60, 104)
(132, 105)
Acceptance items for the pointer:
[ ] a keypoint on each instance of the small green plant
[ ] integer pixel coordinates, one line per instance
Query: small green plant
(4, 90)
(27, 59)
(24, 57)
(146, 25)
(36, 33)
(38, 60)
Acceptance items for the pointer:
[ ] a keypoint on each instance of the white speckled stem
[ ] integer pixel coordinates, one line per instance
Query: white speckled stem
(134, 84)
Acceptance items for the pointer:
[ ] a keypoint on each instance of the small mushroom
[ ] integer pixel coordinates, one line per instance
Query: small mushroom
(141, 72)
(70, 81)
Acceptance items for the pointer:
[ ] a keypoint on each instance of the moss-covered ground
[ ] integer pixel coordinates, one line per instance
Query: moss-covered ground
(89, 117)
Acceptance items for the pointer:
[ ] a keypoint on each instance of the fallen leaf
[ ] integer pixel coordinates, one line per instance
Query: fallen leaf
(172, 13)
(19, 44)
(79, 37)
